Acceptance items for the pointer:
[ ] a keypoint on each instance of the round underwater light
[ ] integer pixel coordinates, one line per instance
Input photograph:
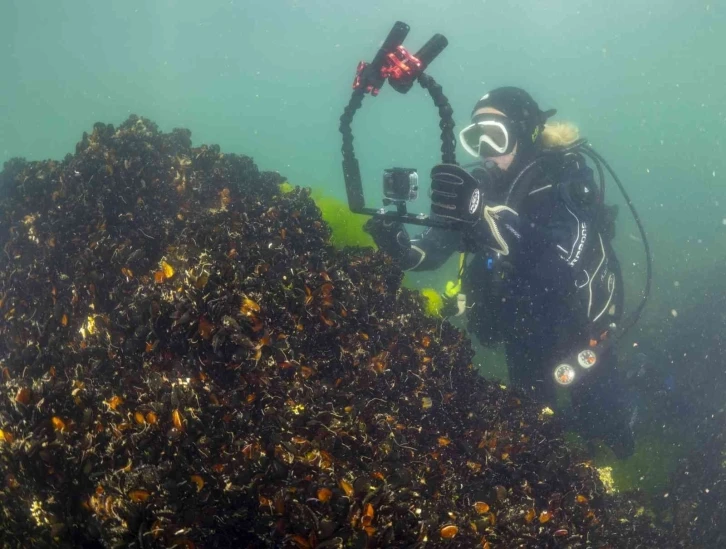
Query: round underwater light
(564, 374)
(587, 358)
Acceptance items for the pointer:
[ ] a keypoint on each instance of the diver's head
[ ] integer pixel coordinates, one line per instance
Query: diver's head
(506, 128)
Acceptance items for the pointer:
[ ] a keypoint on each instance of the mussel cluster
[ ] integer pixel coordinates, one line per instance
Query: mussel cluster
(186, 361)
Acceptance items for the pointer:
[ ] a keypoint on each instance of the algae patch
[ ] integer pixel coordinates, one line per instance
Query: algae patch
(347, 227)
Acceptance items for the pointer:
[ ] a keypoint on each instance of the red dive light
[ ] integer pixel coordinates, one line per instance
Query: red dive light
(395, 64)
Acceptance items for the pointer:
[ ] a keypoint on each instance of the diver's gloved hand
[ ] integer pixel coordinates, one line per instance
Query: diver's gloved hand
(455, 194)
(389, 236)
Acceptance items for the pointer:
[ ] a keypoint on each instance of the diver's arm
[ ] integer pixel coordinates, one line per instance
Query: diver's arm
(457, 198)
(431, 249)
(427, 251)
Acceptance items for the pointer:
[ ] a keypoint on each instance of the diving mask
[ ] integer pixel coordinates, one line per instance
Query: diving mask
(488, 135)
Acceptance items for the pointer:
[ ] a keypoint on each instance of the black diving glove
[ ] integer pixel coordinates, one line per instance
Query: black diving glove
(390, 236)
(455, 194)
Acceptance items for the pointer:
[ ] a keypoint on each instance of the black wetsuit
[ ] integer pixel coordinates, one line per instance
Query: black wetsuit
(559, 286)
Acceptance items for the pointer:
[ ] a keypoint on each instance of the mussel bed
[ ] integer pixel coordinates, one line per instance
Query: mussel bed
(186, 361)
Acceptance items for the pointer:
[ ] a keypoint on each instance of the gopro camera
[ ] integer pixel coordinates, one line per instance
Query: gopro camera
(400, 185)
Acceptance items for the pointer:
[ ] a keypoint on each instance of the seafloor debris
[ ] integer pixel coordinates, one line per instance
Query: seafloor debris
(187, 362)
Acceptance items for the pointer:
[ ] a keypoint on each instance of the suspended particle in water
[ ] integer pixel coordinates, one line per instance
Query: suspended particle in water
(674, 313)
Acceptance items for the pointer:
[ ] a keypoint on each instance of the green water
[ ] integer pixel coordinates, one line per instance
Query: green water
(644, 81)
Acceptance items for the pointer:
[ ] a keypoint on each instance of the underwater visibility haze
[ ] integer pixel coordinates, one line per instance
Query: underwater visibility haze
(201, 346)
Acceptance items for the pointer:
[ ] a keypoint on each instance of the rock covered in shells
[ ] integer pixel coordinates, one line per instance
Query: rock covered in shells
(187, 362)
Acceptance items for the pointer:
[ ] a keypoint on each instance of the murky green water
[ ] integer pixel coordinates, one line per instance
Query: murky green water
(644, 81)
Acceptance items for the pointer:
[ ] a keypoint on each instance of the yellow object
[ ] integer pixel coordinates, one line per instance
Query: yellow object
(40, 515)
(434, 302)
(606, 477)
(296, 409)
(454, 288)
(89, 328)
(168, 269)
(546, 412)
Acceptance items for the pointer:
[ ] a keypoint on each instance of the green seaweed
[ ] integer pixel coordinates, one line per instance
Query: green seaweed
(346, 226)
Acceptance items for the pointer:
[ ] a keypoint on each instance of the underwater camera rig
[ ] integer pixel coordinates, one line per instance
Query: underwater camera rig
(393, 63)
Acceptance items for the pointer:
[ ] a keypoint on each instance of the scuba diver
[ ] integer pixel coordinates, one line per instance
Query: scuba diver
(538, 273)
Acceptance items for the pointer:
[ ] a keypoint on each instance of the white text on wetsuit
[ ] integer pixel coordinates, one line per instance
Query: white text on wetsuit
(583, 238)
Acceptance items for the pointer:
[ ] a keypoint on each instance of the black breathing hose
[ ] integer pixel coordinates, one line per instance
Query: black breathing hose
(635, 315)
